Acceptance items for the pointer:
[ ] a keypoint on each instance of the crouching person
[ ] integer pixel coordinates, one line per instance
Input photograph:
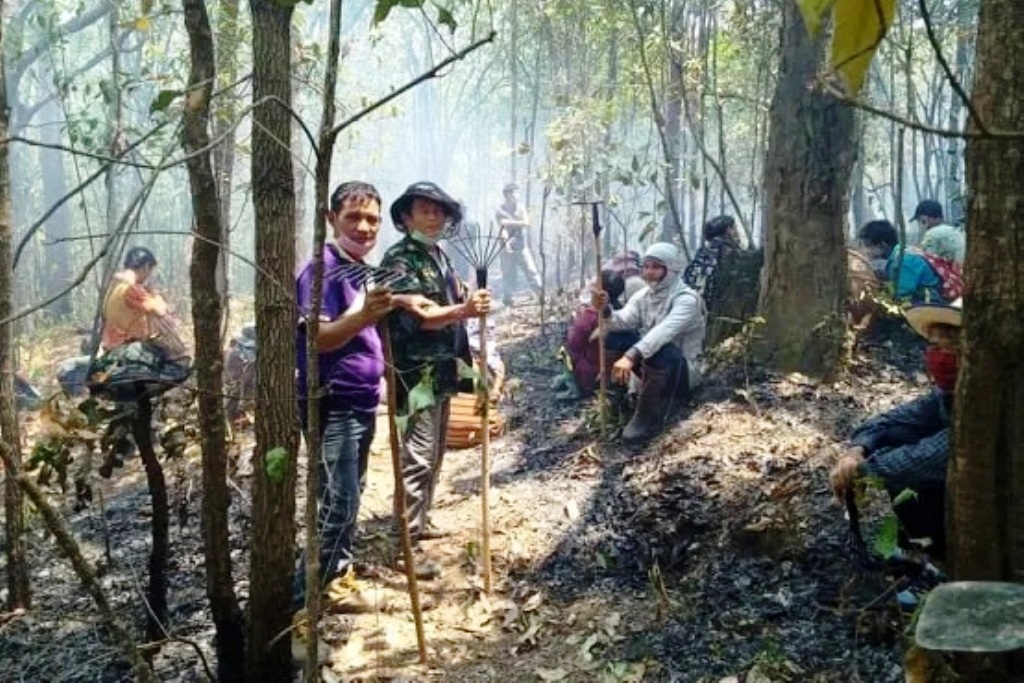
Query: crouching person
(667, 320)
(908, 446)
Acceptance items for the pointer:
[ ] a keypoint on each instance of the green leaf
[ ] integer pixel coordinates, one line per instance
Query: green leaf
(888, 535)
(402, 423)
(384, 7)
(445, 18)
(277, 464)
(421, 396)
(163, 100)
(904, 496)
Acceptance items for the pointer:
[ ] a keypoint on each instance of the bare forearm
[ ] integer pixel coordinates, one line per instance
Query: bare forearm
(442, 316)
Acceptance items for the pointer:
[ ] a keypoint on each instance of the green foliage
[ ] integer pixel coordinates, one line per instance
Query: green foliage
(420, 398)
(163, 99)
(384, 7)
(887, 539)
(277, 464)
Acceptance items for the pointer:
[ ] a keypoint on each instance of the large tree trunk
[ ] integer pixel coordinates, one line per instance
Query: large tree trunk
(17, 570)
(810, 156)
(207, 312)
(273, 524)
(986, 482)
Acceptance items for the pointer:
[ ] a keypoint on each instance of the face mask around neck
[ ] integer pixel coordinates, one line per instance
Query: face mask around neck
(353, 248)
(425, 240)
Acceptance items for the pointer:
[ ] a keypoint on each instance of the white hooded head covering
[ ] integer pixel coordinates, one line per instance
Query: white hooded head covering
(667, 255)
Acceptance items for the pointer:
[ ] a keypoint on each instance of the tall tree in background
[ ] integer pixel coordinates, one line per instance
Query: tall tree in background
(17, 570)
(986, 483)
(273, 523)
(207, 312)
(810, 157)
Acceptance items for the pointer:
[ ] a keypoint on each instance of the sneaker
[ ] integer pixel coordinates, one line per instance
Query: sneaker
(346, 595)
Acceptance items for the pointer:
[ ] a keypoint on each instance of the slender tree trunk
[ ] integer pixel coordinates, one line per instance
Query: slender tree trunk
(227, 45)
(986, 482)
(810, 155)
(207, 314)
(60, 266)
(276, 425)
(18, 594)
(513, 66)
(156, 590)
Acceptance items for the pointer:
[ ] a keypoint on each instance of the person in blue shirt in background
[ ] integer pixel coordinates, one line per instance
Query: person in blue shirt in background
(913, 278)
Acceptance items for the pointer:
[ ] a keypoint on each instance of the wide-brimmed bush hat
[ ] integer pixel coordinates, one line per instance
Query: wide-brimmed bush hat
(922, 317)
(424, 190)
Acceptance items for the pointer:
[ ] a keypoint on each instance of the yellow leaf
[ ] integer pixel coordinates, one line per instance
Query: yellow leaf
(858, 28)
(142, 24)
(814, 12)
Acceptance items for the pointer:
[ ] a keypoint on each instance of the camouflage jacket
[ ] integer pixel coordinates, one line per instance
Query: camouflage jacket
(415, 349)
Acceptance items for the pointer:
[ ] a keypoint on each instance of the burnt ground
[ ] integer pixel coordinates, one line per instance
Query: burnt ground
(714, 553)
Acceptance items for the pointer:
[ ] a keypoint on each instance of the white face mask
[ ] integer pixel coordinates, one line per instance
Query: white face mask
(355, 248)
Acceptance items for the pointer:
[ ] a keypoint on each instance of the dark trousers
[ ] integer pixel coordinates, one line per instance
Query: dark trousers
(345, 436)
(923, 517)
(668, 357)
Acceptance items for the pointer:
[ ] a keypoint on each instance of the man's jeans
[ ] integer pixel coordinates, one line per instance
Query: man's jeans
(511, 263)
(345, 447)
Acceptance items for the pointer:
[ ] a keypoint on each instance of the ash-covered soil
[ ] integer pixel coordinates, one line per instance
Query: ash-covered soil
(713, 553)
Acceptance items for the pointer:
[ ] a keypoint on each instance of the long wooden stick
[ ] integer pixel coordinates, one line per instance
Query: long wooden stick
(485, 442)
(602, 392)
(400, 511)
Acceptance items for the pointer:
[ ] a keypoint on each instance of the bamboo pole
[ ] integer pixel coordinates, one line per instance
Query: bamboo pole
(485, 443)
(400, 511)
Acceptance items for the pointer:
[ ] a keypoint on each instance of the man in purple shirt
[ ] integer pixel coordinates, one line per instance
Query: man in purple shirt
(351, 364)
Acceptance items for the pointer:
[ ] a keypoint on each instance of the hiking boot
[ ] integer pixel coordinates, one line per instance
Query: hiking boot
(300, 636)
(652, 405)
(346, 595)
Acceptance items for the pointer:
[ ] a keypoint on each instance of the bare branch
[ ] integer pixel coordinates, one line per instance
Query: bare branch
(950, 76)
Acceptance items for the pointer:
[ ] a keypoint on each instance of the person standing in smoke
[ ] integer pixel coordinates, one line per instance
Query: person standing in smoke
(426, 344)
(513, 224)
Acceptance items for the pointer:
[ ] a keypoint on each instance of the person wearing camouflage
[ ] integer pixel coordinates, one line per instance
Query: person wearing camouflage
(427, 341)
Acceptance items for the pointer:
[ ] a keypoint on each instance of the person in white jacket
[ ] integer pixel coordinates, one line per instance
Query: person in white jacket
(668, 320)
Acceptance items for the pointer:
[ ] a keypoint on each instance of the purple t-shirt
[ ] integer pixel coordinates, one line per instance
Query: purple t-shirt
(352, 372)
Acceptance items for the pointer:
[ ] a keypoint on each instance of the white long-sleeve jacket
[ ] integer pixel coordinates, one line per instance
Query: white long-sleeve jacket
(668, 313)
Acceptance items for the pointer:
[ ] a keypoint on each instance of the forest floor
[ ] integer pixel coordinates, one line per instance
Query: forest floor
(714, 553)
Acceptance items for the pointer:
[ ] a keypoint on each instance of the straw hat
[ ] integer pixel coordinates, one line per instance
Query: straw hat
(922, 317)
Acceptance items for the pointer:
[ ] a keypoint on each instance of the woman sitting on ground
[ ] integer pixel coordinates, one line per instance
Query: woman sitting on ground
(913, 277)
(580, 345)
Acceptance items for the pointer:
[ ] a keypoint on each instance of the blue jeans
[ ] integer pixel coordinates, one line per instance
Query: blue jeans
(345, 436)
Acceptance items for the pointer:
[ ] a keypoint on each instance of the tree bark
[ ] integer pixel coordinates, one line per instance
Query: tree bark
(18, 594)
(810, 156)
(156, 591)
(226, 68)
(207, 313)
(269, 657)
(986, 476)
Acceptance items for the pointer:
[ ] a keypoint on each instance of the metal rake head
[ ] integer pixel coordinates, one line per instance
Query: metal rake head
(360, 275)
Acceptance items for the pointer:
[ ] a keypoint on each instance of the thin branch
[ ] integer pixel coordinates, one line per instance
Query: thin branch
(432, 73)
(950, 76)
(914, 124)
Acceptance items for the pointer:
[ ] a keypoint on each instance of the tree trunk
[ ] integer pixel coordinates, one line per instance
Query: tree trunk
(224, 154)
(207, 313)
(273, 523)
(156, 591)
(986, 476)
(59, 264)
(810, 155)
(18, 594)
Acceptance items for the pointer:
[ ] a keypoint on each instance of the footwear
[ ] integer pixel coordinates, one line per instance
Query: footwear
(424, 569)
(300, 636)
(651, 406)
(431, 532)
(346, 595)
